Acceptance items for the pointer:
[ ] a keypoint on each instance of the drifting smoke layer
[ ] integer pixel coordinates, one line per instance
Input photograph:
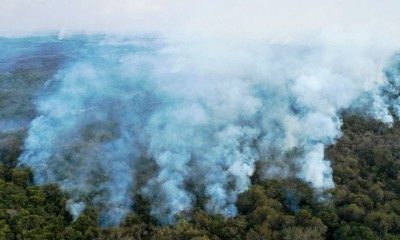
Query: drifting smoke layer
(202, 114)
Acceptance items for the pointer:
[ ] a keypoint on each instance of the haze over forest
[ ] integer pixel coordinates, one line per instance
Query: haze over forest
(202, 120)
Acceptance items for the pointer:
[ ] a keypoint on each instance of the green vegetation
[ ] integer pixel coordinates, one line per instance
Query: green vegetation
(365, 203)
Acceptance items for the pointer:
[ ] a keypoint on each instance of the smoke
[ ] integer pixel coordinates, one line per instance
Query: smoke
(178, 101)
(203, 113)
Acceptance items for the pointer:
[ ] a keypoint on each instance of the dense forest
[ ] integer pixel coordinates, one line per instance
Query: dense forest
(199, 120)
(365, 203)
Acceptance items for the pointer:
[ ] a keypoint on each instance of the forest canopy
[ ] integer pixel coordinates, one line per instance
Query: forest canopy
(363, 205)
(361, 202)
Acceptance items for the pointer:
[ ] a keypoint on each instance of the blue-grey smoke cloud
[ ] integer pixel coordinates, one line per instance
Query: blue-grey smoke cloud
(204, 113)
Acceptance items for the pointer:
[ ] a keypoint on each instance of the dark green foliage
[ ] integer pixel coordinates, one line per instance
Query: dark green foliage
(365, 204)
(366, 164)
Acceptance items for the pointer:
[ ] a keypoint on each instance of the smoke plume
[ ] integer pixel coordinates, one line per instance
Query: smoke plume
(179, 102)
(202, 114)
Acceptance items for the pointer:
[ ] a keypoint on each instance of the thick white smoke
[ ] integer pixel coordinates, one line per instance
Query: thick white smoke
(204, 113)
(220, 86)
